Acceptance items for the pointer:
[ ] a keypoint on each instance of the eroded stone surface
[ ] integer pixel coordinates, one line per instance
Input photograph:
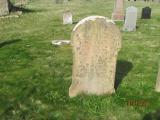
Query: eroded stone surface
(67, 17)
(4, 7)
(96, 41)
(118, 12)
(21, 2)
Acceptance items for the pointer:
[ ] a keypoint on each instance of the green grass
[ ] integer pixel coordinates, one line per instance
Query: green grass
(35, 76)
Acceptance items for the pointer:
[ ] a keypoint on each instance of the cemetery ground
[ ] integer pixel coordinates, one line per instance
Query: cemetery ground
(35, 76)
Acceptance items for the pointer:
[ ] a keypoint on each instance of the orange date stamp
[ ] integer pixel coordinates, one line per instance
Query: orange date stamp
(143, 103)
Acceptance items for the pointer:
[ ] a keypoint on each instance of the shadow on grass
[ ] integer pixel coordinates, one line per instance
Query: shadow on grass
(4, 43)
(25, 10)
(152, 116)
(123, 68)
(75, 22)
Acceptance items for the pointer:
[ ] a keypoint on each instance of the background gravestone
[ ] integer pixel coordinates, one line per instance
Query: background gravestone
(65, 1)
(96, 41)
(21, 2)
(118, 13)
(4, 7)
(158, 81)
(131, 19)
(146, 13)
(60, 1)
(67, 17)
(158, 1)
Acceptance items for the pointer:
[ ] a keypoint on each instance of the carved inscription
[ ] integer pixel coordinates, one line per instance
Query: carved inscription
(96, 42)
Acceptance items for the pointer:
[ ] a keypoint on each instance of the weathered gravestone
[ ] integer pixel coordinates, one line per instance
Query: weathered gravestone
(158, 81)
(67, 17)
(65, 1)
(4, 7)
(157, 1)
(131, 19)
(96, 41)
(60, 1)
(21, 2)
(118, 13)
(146, 13)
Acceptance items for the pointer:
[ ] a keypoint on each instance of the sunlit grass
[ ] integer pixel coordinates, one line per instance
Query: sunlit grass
(35, 76)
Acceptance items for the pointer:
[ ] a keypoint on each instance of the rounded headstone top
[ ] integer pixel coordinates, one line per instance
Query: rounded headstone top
(92, 18)
(132, 8)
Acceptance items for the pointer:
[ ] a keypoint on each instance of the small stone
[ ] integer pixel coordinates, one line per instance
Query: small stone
(61, 42)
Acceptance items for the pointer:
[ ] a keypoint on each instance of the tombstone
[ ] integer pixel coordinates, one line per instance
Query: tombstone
(96, 42)
(65, 1)
(67, 17)
(146, 13)
(118, 13)
(60, 1)
(131, 19)
(157, 1)
(4, 7)
(21, 2)
(158, 81)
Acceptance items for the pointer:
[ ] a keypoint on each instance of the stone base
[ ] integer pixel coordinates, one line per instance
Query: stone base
(118, 16)
(16, 14)
(129, 29)
(75, 90)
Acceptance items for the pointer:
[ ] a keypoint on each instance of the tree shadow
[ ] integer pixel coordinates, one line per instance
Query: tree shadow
(25, 10)
(4, 43)
(152, 116)
(123, 68)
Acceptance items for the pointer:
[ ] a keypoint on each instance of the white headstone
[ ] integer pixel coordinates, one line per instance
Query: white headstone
(67, 17)
(96, 41)
(130, 19)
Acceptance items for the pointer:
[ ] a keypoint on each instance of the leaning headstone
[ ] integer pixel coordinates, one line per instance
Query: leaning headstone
(67, 17)
(96, 42)
(158, 82)
(4, 7)
(118, 13)
(146, 13)
(131, 19)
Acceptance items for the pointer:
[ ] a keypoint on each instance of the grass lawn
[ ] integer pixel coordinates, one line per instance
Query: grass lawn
(35, 76)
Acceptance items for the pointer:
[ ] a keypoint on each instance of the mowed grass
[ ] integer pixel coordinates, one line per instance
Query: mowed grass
(35, 76)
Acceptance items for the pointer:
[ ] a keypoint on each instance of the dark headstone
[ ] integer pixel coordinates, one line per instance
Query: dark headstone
(146, 13)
